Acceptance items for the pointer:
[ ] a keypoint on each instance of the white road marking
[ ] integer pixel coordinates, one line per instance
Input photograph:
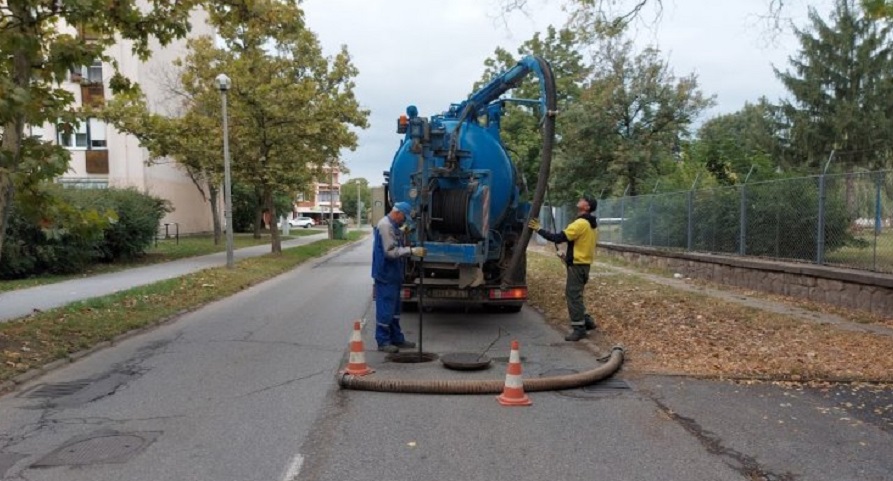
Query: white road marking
(294, 469)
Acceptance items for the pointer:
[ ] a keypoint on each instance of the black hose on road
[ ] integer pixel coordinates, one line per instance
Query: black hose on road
(474, 386)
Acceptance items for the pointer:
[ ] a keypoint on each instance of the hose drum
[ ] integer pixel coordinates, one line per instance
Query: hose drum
(449, 210)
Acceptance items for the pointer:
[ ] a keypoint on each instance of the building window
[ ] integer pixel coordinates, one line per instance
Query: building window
(35, 131)
(326, 196)
(73, 136)
(94, 72)
(96, 133)
(90, 135)
(84, 74)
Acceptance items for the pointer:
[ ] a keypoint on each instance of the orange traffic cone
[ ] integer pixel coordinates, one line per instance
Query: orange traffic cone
(513, 392)
(356, 364)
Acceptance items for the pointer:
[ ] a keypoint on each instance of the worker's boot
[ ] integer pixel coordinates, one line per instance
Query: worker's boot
(405, 345)
(389, 348)
(589, 323)
(578, 333)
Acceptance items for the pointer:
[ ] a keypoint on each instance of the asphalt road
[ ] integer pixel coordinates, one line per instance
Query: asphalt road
(245, 389)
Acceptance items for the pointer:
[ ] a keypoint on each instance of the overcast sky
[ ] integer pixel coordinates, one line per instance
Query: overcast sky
(430, 53)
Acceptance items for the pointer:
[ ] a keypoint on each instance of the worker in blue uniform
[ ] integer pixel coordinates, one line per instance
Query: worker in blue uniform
(388, 261)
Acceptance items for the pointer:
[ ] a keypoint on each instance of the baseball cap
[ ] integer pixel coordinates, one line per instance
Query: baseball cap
(404, 208)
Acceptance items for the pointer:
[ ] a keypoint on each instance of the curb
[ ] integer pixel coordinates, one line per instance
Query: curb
(12, 384)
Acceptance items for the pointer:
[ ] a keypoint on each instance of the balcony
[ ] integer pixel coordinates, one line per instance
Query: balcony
(97, 162)
(92, 94)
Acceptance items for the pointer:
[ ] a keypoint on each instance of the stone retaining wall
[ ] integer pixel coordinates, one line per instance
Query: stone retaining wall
(843, 287)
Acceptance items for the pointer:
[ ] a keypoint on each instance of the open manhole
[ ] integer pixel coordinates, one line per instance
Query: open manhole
(465, 361)
(411, 357)
(101, 447)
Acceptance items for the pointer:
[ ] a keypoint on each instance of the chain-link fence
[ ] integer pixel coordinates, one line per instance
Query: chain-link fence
(841, 220)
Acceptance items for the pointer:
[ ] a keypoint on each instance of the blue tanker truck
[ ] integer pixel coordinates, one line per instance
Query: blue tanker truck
(470, 205)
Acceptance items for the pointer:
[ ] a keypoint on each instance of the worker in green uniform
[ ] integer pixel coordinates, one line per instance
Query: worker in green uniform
(581, 235)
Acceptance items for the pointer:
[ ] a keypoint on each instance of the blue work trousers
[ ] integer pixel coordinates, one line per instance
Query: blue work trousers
(387, 314)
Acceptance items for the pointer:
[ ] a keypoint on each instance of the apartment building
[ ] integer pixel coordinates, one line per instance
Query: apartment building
(102, 157)
(323, 197)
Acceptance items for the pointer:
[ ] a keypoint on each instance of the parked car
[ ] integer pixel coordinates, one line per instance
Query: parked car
(305, 222)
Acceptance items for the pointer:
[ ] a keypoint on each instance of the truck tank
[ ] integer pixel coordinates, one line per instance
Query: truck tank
(469, 207)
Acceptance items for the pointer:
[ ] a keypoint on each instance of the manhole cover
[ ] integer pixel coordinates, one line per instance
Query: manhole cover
(56, 389)
(610, 384)
(104, 447)
(505, 359)
(558, 372)
(465, 361)
(411, 357)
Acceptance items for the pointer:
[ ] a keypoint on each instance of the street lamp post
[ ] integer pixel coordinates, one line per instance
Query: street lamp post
(223, 84)
(332, 202)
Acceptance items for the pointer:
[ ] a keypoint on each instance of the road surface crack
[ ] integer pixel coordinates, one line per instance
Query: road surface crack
(740, 462)
(281, 384)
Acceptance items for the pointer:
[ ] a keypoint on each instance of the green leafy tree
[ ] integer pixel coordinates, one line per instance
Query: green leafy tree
(841, 82)
(291, 108)
(878, 9)
(730, 145)
(633, 116)
(38, 53)
(349, 199)
(520, 125)
(193, 138)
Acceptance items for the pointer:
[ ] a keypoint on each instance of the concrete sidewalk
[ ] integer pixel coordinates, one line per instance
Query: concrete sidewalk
(19, 303)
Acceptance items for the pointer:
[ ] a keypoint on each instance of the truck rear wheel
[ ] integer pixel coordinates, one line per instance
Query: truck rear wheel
(503, 309)
(410, 306)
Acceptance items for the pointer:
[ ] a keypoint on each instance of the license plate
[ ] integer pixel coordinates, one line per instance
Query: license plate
(449, 293)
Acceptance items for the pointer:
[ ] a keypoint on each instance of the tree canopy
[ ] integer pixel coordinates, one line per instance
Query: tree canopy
(41, 42)
(841, 82)
(290, 108)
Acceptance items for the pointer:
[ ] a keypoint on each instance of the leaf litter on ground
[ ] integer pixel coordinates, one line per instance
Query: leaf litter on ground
(669, 331)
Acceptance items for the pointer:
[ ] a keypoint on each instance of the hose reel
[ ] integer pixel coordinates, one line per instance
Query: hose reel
(449, 211)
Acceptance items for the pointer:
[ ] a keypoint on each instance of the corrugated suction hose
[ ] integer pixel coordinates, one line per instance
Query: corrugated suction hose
(510, 275)
(474, 386)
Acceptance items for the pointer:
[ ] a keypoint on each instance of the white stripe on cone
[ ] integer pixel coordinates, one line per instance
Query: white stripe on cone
(514, 357)
(357, 358)
(513, 381)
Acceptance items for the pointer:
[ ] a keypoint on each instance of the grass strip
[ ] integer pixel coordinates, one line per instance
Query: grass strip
(34, 341)
(166, 250)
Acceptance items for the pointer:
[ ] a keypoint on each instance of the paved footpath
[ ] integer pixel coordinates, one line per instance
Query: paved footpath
(21, 302)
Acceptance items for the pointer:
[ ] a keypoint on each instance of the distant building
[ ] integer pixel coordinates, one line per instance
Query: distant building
(317, 203)
(102, 157)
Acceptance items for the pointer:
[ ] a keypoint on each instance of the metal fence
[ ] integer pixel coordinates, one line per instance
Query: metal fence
(839, 220)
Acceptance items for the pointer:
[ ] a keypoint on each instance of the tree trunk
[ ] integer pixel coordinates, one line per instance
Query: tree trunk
(276, 242)
(213, 194)
(258, 213)
(11, 147)
(7, 194)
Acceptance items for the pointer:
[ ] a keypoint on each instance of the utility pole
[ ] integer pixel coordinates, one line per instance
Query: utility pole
(332, 201)
(223, 84)
(359, 203)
